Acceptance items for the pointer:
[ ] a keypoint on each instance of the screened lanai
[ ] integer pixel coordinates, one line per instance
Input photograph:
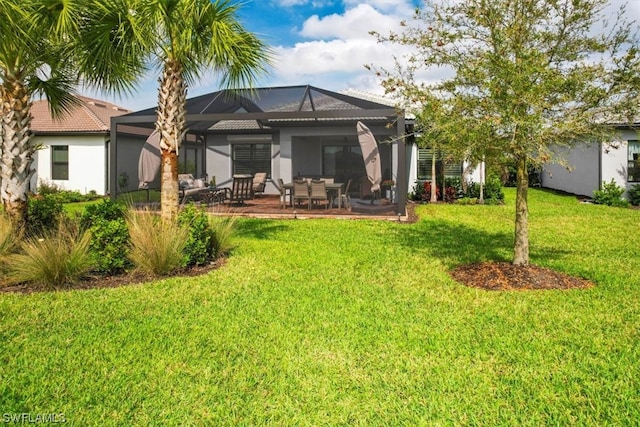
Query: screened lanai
(283, 131)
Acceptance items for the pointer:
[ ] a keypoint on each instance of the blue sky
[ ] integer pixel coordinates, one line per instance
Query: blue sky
(324, 43)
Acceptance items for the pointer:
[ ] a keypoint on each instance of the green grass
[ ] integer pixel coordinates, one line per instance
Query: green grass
(342, 322)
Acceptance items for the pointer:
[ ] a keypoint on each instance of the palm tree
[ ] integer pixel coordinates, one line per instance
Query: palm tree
(41, 54)
(187, 38)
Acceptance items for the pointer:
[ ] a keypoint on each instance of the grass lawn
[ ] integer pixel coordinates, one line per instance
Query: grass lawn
(343, 322)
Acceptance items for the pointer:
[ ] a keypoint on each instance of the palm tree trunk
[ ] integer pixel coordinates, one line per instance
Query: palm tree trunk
(521, 244)
(172, 95)
(15, 148)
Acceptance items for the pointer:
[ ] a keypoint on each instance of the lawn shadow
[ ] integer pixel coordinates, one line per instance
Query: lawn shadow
(259, 228)
(454, 243)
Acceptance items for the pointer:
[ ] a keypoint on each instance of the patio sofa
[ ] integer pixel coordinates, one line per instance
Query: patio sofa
(191, 188)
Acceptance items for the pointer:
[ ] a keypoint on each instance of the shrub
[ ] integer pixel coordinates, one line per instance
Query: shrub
(200, 243)
(223, 228)
(43, 213)
(156, 246)
(109, 236)
(467, 201)
(64, 196)
(633, 195)
(426, 195)
(417, 192)
(533, 175)
(60, 257)
(492, 189)
(610, 195)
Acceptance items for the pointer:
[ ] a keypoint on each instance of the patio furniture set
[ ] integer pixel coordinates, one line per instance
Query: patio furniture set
(314, 191)
(244, 187)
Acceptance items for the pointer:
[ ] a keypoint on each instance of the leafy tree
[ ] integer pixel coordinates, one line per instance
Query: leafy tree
(519, 78)
(44, 51)
(186, 38)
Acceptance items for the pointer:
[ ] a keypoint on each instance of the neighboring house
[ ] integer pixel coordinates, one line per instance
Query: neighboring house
(74, 148)
(590, 164)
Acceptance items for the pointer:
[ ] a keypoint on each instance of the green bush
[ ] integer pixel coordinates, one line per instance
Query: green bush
(109, 236)
(200, 246)
(43, 213)
(467, 201)
(634, 195)
(156, 246)
(65, 196)
(57, 258)
(610, 194)
(492, 189)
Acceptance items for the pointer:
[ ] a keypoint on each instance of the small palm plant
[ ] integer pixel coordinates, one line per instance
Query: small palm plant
(56, 259)
(156, 246)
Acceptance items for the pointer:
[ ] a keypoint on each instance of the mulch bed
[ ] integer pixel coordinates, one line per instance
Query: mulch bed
(502, 276)
(99, 282)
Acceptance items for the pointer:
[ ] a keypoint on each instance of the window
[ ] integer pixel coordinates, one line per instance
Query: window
(60, 162)
(425, 158)
(633, 161)
(342, 162)
(251, 158)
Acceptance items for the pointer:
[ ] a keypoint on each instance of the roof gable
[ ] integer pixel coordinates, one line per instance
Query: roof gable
(91, 116)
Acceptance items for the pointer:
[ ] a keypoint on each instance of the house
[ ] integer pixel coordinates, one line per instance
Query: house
(590, 164)
(284, 131)
(74, 148)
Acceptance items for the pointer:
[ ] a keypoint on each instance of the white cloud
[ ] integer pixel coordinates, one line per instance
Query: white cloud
(356, 22)
(402, 7)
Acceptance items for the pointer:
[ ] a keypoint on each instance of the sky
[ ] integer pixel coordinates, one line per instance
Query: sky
(324, 43)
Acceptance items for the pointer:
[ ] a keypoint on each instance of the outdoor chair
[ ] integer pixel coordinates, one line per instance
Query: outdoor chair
(318, 192)
(259, 183)
(241, 190)
(191, 189)
(283, 193)
(345, 199)
(301, 192)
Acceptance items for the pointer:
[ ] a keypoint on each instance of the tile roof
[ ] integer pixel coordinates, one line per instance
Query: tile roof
(91, 116)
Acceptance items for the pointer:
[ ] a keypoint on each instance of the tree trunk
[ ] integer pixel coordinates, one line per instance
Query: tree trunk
(172, 95)
(434, 185)
(521, 244)
(16, 150)
(482, 178)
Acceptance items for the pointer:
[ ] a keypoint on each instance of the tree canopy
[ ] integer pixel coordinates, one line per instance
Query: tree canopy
(520, 77)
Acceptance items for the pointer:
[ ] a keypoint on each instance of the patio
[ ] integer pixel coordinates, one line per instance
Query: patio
(268, 206)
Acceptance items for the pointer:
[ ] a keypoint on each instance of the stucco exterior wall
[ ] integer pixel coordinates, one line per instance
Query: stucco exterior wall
(590, 165)
(87, 162)
(580, 175)
(304, 144)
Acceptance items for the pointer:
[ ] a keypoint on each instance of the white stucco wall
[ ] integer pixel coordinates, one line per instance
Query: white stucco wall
(87, 162)
(614, 160)
(580, 175)
(588, 165)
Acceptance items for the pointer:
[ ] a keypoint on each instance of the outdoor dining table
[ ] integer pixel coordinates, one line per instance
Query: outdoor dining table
(332, 187)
